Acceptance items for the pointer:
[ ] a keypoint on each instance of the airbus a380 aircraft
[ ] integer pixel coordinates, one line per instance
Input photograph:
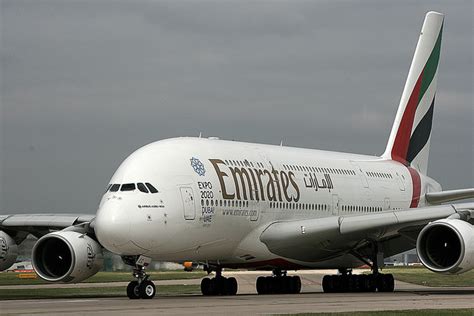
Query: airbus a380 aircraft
(229, 204)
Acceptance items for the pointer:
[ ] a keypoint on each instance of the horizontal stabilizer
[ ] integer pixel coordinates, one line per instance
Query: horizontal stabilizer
(448, 196)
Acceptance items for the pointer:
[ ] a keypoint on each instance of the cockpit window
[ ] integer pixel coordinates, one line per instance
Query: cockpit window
(127, 187)
(142, 187)
(114, 187)
(108, 188)
(151, 188)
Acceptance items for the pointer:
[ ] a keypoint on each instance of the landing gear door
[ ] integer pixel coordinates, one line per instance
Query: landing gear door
(189, 206)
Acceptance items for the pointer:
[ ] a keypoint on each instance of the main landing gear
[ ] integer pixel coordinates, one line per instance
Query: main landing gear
(142, 287)
(218, 285)
(348, 282)
(279, 283)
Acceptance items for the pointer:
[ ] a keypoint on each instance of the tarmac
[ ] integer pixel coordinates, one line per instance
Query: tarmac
(246, 302)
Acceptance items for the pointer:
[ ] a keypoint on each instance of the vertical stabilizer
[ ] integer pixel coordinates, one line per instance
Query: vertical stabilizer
(409, 141)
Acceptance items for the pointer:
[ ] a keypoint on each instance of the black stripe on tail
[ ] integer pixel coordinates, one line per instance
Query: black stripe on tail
(421, 134)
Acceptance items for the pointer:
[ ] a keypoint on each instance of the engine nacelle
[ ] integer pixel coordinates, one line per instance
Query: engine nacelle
(8, 251)
(66, 256)
(447, 246)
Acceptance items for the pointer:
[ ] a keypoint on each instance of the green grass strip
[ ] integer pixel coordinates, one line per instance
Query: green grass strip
(99, 292)
(9, 278)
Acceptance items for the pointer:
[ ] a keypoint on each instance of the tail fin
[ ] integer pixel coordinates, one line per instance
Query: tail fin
(409, 141)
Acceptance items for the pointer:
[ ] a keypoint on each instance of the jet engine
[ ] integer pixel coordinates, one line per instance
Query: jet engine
(8, 251)
(67, 257)
(447, 246)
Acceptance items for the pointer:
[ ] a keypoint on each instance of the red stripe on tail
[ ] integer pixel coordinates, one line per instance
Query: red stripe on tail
(402, 140)
(416, 185)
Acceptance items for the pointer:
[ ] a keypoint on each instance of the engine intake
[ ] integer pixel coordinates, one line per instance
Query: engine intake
(447, 246)
(67, 257)
(8, 251)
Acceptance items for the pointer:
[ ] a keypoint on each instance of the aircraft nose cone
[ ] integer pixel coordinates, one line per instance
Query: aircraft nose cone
(112, 226)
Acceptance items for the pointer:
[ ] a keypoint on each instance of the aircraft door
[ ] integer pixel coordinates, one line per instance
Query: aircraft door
(335, 204)
(361, 174)
(386, 204)
(401, 183)
(189, 207)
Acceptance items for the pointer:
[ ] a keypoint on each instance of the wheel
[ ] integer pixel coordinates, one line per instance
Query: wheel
(214, 287)
(147, 290)
(206, 286)
(385, 283)
(389, 283)
(261, 285)
(232, 286)
(358, 283)
(271, 285)
(132, 290)
(296, 285)
(325, 283)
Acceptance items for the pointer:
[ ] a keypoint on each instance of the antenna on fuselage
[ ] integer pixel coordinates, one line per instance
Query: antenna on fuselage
(200, 134)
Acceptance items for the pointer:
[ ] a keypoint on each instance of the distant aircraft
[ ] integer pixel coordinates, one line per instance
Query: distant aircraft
(226, 204)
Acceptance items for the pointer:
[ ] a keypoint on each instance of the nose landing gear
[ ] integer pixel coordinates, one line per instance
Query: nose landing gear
(142, 287)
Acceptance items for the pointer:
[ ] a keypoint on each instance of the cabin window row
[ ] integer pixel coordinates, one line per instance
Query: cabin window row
(225, 203)
(320, 169)
(383, 175)
(360, 208)
(299, 206)
(245, 163)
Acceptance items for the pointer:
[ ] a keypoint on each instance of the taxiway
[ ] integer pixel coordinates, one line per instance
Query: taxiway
(406, 296)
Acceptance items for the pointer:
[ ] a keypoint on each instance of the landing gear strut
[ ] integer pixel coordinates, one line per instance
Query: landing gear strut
(142, 287)
(218, 285)
(279, 283)
(345, 281)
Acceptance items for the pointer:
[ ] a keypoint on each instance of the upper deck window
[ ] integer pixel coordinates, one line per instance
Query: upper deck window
(115, 187)
(127, 187)
(151, 188)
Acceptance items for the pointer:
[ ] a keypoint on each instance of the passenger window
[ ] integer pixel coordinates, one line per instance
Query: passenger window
(127, 187)
(142, 187)
(151, 188)
(114, 187)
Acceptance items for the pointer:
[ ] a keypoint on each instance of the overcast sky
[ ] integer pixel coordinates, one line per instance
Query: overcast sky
(85, 83)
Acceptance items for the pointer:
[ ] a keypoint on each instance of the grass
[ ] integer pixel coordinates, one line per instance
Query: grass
(418, 312)
(11, 278)
(423, 276)
(112, 291)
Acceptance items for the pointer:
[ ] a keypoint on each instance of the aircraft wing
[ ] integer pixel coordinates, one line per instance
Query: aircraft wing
(20, 225)
(326, 238)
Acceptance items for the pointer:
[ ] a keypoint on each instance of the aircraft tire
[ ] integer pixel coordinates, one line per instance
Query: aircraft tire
(295, 285)
(147, 290)
(231, 286)
(206, 286)
(132, 290)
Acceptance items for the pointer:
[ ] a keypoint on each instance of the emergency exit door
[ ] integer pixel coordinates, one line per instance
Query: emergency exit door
(189, 208)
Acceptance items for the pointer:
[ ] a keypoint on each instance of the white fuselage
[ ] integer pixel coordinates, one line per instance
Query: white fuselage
(216, 197)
